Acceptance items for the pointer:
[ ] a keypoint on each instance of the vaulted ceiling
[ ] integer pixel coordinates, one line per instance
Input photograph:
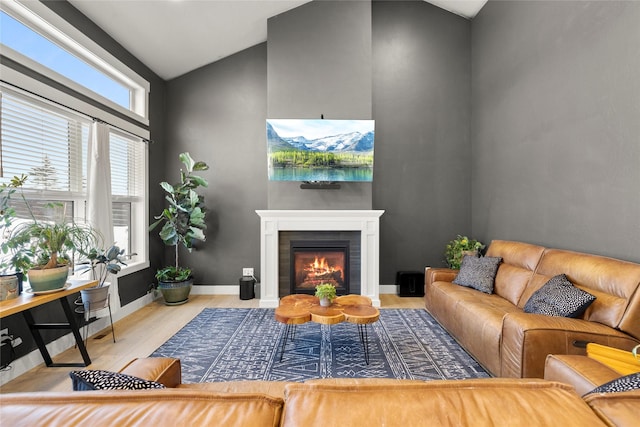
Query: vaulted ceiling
(173, 37)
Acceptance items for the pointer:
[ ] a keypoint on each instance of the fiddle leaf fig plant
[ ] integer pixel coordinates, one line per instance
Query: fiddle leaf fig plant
(183, 220)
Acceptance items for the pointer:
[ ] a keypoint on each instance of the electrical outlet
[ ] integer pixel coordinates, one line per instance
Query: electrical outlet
(5, 331)
(247, 271)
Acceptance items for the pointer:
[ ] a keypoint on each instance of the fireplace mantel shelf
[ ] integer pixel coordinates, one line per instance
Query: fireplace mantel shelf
(274, 221)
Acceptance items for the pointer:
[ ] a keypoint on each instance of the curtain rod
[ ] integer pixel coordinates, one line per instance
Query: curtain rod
(95, 119)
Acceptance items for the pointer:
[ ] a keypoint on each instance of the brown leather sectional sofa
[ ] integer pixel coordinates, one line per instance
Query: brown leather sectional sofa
(332, 402)
(511, 343)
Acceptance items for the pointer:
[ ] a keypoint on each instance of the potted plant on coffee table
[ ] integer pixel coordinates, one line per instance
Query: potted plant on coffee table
(46, 248)
(183, 223)
(326, 292)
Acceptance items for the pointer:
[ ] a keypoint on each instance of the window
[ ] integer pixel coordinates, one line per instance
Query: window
(49, 143)
(33, 45)
(70, 59)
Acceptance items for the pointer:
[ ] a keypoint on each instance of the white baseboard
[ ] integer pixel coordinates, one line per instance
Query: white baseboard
(387, 289)
(34, 358)
(215, 290)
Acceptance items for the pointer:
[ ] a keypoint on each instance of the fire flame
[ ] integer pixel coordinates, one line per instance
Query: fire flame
(320, 266)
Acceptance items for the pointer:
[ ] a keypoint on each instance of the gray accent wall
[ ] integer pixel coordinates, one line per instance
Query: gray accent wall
(421, 103)
(319, 64)
(405, 64)
(556, 125)
(218, 114)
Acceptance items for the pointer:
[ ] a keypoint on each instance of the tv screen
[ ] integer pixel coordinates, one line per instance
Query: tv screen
(318, 150)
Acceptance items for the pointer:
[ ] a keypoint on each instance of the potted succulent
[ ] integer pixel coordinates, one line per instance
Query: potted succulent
(326, 292)
(45, 249)
(458, 248)
(183, 223)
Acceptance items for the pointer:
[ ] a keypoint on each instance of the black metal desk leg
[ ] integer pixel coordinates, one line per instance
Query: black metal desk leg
(73, 325)
(35, 333)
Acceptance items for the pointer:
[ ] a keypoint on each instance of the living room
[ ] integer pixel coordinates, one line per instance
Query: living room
(518, 124)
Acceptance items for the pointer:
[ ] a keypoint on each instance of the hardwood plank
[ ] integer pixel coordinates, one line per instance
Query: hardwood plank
(141, 333)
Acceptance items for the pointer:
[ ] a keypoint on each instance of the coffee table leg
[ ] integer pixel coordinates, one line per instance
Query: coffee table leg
(288, 330)
(364, 339)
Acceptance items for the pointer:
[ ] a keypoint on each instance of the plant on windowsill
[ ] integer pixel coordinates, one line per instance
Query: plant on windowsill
(326, 292)
(183, 223)
(46, 248)
(458, 248)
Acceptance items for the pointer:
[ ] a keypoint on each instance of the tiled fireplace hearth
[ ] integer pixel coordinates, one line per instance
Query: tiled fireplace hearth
(272, 222)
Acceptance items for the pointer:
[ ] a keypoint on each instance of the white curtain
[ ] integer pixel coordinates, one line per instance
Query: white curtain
(99, 210)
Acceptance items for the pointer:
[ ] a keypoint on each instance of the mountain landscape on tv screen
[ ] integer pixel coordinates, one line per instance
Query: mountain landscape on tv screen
(320, 150)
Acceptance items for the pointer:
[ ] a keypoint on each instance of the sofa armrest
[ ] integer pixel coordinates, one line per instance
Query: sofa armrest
(582, 372)
(164, 370)
(527, 339)
(439, 275)
(616, 409)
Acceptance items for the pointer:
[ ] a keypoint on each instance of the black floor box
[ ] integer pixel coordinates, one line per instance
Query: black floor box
(410, 283)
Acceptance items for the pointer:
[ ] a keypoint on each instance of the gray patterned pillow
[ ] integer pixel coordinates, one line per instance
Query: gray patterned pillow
(478, 273)
(558, 297)
(106, 380)
(626, 383)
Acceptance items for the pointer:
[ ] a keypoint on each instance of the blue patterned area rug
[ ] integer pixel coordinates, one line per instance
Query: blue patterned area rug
(231, 344)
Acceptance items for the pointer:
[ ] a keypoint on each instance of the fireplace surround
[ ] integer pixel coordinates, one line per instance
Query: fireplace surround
(367, 222)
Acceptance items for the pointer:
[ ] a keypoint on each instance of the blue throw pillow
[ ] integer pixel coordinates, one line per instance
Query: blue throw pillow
(626, 383)
(106, 380)
(478, 273)
(558, 297)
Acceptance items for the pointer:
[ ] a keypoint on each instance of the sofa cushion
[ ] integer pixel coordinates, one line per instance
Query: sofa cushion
(626, 383)
(478, 273)
(558, 297)
(106, 380)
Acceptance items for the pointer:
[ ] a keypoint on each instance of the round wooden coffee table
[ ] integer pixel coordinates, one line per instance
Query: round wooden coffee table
(297, 309)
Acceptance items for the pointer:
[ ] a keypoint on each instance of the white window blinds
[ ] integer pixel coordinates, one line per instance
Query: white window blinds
(44, 142)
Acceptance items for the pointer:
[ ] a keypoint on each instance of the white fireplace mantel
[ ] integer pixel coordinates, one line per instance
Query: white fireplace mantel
(274, 221)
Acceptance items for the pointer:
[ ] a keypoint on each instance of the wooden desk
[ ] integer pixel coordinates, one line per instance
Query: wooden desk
(26, 301)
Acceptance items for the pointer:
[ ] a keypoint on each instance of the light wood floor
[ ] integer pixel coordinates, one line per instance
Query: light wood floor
(140, 334)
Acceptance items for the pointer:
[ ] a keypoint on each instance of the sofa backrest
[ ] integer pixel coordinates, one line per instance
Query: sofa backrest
(615, 283)
(519, 261)
(157, 408)
(473, 402)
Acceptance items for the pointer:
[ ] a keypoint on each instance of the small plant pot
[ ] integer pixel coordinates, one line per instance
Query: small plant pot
(325, 302)
(9, 286)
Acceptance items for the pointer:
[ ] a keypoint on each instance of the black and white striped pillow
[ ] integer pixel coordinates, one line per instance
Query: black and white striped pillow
(107, 380)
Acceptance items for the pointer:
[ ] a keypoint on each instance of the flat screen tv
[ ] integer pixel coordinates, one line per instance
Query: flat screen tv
(318, 150)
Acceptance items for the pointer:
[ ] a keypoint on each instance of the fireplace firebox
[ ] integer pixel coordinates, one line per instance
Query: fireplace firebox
(314, 262)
